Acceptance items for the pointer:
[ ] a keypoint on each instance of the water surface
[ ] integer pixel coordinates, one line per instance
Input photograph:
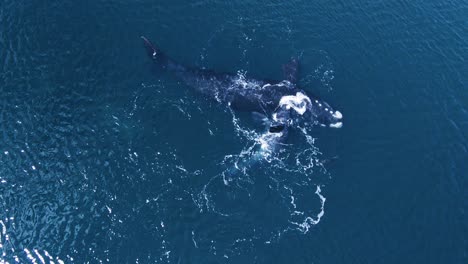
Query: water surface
(104, 159)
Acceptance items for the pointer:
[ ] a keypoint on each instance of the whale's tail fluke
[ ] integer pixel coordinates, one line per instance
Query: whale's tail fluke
(150, 48)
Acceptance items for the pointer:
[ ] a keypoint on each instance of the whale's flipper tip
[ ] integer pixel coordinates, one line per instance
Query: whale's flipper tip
(150, 48)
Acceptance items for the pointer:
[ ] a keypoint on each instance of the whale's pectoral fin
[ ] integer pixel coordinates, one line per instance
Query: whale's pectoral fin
(291, 69)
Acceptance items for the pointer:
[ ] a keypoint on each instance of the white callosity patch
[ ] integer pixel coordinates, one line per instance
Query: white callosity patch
(336, 125)
(300, 103)
(338, 115)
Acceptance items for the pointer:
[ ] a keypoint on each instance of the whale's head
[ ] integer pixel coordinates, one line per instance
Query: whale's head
(292, 110)
(324, 114)
(317, 110)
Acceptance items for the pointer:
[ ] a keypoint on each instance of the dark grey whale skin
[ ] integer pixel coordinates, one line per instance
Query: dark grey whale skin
(245, 94)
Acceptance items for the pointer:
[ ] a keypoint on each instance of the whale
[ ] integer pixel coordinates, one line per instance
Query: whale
(281, 102)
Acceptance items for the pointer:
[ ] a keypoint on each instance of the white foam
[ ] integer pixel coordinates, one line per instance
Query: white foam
(41, 258)
(309, 221)
(30, 256)
(267, 141)
(275, 117)
(193, 239)
(297, 102)
(3, 228)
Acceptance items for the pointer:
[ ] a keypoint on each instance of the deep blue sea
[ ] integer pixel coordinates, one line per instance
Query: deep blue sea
(105, 159)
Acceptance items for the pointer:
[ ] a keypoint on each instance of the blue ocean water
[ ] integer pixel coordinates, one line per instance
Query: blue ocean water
(105, 159)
